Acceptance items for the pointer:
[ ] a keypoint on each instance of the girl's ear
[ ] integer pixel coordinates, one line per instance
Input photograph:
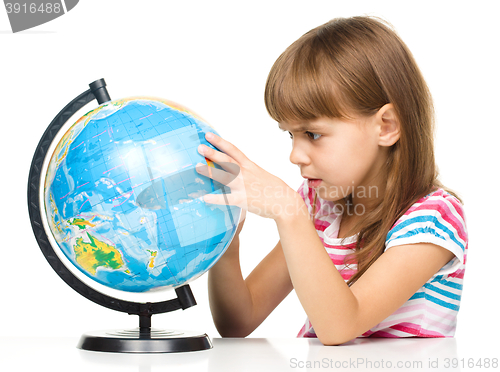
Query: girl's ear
(389, 126)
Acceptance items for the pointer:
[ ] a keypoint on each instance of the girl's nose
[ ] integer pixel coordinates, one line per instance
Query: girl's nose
(298, 156)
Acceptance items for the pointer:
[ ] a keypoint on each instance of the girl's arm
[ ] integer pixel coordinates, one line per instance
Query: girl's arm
(338, 312)
(239, 306)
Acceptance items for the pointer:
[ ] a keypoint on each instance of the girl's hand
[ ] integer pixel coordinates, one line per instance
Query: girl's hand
(252, 188)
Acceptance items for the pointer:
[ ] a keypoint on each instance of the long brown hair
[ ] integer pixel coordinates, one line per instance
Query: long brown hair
(356, 66)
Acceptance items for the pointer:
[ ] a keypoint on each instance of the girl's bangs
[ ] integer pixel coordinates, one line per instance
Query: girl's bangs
(301, 87)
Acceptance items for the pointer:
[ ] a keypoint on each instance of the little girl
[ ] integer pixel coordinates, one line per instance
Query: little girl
(371, 242)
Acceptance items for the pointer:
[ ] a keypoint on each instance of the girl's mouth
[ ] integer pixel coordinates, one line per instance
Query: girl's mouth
(311, 182)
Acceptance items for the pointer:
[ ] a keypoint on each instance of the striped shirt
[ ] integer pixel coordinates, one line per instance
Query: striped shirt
(437, 218)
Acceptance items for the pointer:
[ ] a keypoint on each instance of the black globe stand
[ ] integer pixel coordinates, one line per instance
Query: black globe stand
(143, 339)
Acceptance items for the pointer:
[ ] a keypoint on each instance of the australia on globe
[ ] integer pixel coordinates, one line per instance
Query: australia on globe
(123, 199)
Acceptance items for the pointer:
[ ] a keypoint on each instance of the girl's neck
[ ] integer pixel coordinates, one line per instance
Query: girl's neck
(355, 210)
(346, 225)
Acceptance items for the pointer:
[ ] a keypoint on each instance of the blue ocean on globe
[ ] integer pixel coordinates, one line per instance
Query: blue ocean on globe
(123, 198)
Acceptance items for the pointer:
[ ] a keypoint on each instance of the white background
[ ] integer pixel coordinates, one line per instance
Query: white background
(213, 57)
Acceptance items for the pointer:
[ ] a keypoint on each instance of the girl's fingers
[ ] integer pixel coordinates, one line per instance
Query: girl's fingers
(224, 160)
(216, 174)
(219, 199)
(229, 158)
(226, 147)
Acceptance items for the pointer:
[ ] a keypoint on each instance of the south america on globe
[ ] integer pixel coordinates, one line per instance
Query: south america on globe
(123, 199)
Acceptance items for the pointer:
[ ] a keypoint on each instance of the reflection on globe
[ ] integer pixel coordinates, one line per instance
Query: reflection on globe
(122, 196)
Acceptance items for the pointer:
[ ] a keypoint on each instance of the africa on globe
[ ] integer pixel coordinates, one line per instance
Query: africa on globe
(123, 199)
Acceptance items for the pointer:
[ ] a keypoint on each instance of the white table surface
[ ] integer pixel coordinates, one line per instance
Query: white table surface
(252, 354)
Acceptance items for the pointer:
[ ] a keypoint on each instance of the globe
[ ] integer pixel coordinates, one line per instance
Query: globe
(123, 200)
(116, 207)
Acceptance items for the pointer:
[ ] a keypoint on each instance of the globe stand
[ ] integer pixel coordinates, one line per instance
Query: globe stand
(143, 339)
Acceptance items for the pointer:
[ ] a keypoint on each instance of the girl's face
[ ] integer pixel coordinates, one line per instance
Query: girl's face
(344, 156)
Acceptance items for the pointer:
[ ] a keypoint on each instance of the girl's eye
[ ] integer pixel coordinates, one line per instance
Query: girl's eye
(313, 136)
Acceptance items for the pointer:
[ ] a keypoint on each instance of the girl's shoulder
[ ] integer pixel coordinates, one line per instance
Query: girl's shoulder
(437, 218)
(440, 204)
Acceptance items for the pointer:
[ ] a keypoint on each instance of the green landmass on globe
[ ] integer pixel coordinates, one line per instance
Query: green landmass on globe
(93, 254)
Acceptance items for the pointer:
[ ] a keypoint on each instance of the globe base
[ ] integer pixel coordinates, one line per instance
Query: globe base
(140, 340)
